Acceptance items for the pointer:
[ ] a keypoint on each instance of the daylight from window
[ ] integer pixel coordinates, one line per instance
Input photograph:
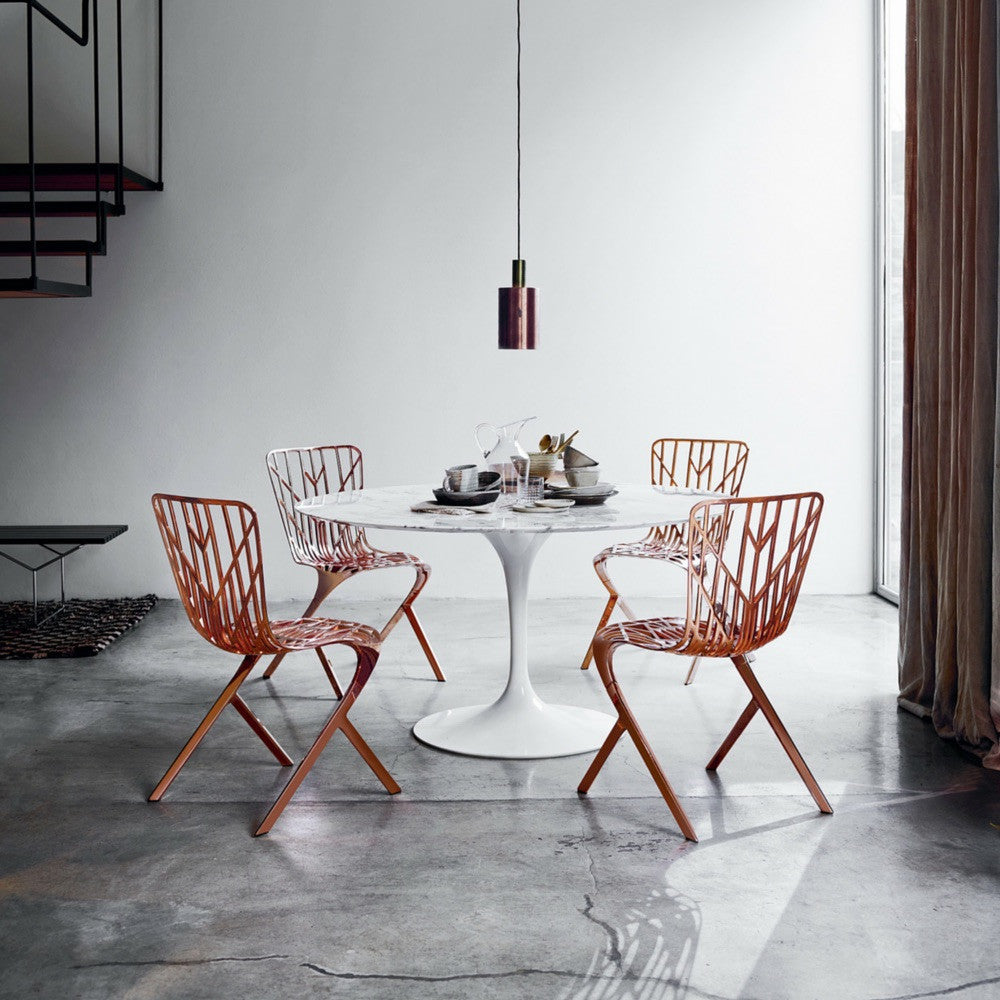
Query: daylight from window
(891, 347)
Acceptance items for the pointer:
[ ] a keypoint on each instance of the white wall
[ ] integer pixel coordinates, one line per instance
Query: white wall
(339, 212)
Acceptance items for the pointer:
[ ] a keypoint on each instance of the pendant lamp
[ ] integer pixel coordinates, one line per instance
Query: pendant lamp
(518, 309)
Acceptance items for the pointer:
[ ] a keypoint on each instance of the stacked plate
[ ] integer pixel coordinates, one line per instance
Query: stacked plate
(583, 495)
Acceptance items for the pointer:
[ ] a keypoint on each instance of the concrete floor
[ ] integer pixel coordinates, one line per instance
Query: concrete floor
(491, 879)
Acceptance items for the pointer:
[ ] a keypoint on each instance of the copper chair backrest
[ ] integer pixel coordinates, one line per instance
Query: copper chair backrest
(699, 463)
(696, 463)
(213, 547)
(744, 582)
(301, 473)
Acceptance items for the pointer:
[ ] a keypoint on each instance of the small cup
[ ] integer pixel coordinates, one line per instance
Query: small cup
(461, 479)
(530, 489)
(586, 475)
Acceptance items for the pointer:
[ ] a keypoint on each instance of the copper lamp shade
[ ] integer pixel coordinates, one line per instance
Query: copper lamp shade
(518, 314)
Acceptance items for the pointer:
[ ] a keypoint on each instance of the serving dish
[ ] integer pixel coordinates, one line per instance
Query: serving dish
(593, 501)
(582, 495)
(572, 492)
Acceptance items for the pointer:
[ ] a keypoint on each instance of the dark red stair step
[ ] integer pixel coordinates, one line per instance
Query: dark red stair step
(51, 248)
(54, 209)
(40, 288)
(71, 177)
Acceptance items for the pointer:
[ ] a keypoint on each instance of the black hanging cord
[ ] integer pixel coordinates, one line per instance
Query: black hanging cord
(519, 129)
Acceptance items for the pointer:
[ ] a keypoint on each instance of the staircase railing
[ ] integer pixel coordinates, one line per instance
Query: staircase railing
(103, 180)
(62, 25)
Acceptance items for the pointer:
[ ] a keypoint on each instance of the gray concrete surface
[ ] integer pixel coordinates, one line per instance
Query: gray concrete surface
(490, 879)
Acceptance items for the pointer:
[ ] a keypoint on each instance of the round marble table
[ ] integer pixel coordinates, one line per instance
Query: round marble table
(518, 724)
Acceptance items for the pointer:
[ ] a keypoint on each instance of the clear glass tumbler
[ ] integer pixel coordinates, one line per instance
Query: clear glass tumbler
(530, 488)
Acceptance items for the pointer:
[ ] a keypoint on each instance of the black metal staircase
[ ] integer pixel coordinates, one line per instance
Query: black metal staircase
(32, 191)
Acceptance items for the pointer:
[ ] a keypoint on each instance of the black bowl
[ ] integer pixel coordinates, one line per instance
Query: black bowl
(470, 499)
(489, 490)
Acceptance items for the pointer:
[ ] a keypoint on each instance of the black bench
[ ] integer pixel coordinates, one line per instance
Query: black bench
(47, 535)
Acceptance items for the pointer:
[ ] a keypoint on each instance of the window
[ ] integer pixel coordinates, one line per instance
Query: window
(889, 445)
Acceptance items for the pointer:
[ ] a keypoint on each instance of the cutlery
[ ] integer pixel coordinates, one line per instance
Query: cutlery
(564, 444)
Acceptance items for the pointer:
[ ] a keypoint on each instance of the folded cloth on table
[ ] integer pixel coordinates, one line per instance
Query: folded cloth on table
(433, 507)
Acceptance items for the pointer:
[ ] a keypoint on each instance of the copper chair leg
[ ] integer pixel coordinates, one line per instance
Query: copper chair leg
(603, 652)
(367, 658)
(328, 670)
(406, 608)
(653, 765)
(600, 568)
(767, 709)
(734, 734)
(261, 730)
(324, 585)
(605, 616)
(418, 631)
(273, 665)
(626, 609)
(602, 755)
(692, 670)
(394, 620)
(368, 756)
(228, 696)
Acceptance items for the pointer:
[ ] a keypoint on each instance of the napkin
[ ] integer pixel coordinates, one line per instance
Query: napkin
(433, 507)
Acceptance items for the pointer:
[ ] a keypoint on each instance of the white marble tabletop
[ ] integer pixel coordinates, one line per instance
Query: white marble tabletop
(389, 507)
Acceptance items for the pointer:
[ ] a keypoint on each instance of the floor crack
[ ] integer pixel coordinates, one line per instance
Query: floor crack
(579, 977)
(391, 766)
(181, 961)
(457, 977)
(946, 990)
(614, 945)
(592, 868)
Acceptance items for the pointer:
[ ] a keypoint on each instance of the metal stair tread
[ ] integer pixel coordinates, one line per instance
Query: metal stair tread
(72, 177)
(53, 248)
(76, 209)
(41, 288)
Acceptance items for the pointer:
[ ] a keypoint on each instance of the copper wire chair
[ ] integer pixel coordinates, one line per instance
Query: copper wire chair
(735, 605)
(690, 463)
(213, 547)
(336, 551)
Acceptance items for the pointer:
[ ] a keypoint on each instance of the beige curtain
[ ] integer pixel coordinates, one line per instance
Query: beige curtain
(949, 652)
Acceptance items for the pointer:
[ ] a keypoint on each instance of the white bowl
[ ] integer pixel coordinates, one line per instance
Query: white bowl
(597, 490)
(587, 475)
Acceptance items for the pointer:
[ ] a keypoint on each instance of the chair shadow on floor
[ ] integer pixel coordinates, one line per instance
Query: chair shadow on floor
(651, 943)
(648, 954)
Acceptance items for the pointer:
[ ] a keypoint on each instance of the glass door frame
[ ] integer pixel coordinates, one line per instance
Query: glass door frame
(884, 587)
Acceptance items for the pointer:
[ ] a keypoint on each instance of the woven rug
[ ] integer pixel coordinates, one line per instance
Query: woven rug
(82, 628)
